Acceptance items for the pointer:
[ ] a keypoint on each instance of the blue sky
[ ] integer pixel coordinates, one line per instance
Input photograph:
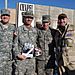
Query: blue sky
(70, 4)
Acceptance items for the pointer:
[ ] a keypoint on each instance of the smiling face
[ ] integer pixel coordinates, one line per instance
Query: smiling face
(5, 19)
(62, 21)
(27, 20)
(45, 25)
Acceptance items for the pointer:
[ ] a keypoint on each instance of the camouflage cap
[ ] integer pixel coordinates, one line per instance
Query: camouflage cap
(45, 18)
(61, 16)
(5, 12)
(28, 14)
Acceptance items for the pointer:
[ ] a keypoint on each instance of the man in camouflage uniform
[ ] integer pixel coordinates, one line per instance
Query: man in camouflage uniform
(43, 41)
(6, 42)
(38, 25)
(26, 41)
(65, 43)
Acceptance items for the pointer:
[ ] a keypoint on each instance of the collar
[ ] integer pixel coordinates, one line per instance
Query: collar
(26, 29)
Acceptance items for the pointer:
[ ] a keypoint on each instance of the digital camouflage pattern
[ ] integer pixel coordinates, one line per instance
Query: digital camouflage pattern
(43, 41)
(25, 35)
(6, 42)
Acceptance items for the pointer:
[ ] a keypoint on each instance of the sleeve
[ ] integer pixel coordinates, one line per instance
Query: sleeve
(15, 44)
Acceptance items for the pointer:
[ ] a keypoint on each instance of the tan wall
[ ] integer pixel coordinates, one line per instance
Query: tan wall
(42, 10)
(74, 17)
(54, 12)
(13, 16)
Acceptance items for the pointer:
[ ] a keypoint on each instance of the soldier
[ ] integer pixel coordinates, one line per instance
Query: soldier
(65, 45)
(38, 25)
(43, 41)
(27, 42)
(6, 42)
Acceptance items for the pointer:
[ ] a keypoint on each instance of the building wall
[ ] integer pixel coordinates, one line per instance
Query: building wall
(42, 10)
(13, 16)
(54, 12)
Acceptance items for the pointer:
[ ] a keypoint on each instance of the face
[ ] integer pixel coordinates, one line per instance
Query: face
(46, 25)
(5, 19)
(62, 21)
(28, 20)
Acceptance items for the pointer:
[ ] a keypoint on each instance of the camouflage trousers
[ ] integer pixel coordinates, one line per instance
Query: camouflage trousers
(26, 67)
(5, 65)
(41, 68)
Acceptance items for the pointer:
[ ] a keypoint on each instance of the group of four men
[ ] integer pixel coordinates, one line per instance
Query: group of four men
(36, 51)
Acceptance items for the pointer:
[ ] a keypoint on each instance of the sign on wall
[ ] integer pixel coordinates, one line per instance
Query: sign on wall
(22, 7)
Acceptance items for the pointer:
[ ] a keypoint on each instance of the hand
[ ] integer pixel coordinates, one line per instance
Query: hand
(38, 51)
(21, 57)
(15, 33)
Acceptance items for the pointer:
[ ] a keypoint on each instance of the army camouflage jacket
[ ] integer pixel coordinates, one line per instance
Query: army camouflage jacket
(6, 40)
(43, 42)
(26, 37)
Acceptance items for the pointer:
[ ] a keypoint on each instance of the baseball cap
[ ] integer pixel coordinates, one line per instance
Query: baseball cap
(61, 16)
(5, 12)
(45, 18)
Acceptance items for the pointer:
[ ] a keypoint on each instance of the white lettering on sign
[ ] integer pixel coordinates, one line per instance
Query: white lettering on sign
(24, 7)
